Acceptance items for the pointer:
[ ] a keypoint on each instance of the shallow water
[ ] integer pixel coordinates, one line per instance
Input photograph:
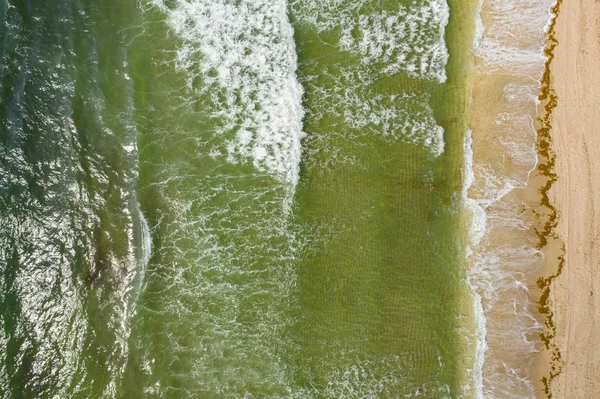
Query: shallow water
(509, 62)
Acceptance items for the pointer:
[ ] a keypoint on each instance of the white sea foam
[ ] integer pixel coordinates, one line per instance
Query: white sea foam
(143, 238)
(408, 39)
(244, 54)
(513, 36)
(350, 105)
(476, 227)
(226, 270)
(406, 116)
(370, 379)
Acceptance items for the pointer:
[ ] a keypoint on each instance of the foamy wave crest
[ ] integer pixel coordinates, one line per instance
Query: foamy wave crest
(476, 226)
(409, 38)
(242, 56)
(349, 104)
(390, 117)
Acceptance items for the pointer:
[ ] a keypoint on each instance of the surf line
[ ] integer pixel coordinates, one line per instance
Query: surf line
(546, 168)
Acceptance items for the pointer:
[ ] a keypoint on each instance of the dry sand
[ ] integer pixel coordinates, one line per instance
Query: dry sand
(575, 294)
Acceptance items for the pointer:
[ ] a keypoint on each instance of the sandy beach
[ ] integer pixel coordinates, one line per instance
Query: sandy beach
(575, 293)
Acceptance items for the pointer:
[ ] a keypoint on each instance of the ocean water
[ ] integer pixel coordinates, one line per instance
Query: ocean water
(240, 199)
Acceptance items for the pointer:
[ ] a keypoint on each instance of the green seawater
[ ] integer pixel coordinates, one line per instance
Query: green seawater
(233, 199)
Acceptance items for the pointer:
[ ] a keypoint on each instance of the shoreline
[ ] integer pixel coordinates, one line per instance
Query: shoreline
(573, 300)
(507, 258)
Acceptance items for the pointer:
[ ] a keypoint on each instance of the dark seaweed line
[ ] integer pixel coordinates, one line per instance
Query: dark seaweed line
(547, 169)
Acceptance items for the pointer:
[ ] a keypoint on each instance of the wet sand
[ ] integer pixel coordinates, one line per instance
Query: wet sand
(575, 132)
(506, 257)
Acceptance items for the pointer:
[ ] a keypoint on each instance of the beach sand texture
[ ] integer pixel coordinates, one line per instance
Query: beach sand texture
(575, 294)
